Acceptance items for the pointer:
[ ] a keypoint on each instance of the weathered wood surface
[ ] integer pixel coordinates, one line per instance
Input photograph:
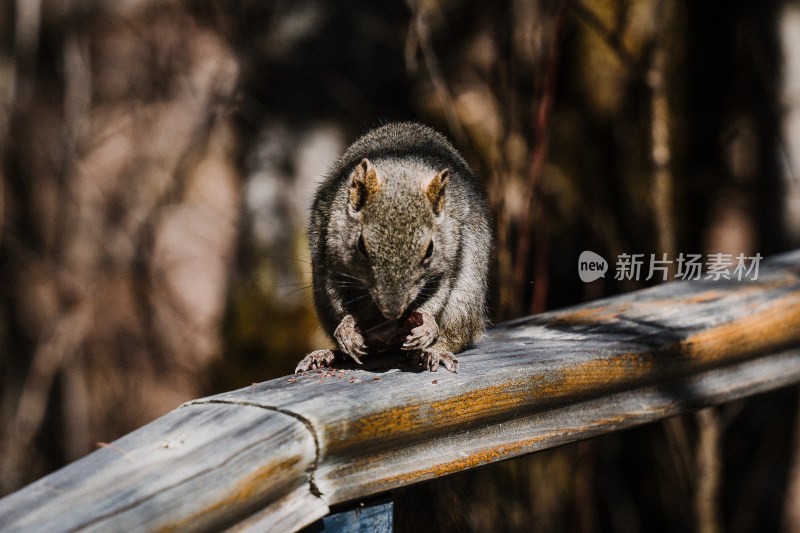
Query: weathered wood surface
(274, 456)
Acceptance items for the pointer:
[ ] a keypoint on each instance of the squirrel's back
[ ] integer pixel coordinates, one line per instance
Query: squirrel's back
(401, 140)
(410, 141)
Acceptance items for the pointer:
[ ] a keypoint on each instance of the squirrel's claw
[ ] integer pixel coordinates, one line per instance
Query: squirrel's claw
(449, 362)
(423, 335)
(314, 360)
(431, 359)
(350, 339)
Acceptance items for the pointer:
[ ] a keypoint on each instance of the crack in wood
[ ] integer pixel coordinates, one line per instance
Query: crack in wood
(303, 420)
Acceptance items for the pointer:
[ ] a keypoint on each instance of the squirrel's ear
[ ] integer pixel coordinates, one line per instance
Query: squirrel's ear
(364, 185)
(434, 189)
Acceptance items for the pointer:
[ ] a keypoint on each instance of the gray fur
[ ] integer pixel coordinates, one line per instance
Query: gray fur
(396, 224)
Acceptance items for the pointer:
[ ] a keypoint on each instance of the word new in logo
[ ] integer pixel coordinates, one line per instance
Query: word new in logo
(591, 266)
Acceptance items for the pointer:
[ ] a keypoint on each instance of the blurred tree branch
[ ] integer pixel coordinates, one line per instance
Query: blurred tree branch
(419, 36)
(120, 215)
(533, 225)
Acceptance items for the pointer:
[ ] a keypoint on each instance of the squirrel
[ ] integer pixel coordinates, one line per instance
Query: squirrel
(400, 241)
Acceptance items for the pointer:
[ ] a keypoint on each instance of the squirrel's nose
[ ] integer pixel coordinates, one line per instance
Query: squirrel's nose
(392, 313)
(392, 308)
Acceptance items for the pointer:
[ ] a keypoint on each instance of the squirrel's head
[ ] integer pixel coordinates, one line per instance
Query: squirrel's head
(395, 210)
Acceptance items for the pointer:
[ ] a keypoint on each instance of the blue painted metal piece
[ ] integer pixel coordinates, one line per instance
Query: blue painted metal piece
(376, 518)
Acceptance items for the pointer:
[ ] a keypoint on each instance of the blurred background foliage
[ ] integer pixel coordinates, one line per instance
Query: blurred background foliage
(157, 161)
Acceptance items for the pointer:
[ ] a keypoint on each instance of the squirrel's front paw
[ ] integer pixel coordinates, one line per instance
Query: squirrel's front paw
(424, 334)
(316, 359)
(350, 339)
(431, 359)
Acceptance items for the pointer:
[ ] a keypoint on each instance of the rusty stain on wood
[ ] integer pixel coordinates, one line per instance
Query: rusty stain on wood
(248, 489)
(276, 455)
(773, 325)
(593, 314)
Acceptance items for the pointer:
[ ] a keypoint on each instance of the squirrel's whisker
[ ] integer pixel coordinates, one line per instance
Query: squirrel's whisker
(356, 298)
(293, 291)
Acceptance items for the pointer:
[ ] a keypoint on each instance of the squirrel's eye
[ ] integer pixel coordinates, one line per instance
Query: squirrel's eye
(362, 248)
(428, 252)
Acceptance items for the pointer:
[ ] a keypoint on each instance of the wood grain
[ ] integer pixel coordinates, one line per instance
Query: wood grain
(276, 455)
(196, 468)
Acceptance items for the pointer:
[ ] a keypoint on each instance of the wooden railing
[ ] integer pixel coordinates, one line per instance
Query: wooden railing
(275, 456)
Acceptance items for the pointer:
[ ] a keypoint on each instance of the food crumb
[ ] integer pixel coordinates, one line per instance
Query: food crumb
(435, 381)
(376, 378)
